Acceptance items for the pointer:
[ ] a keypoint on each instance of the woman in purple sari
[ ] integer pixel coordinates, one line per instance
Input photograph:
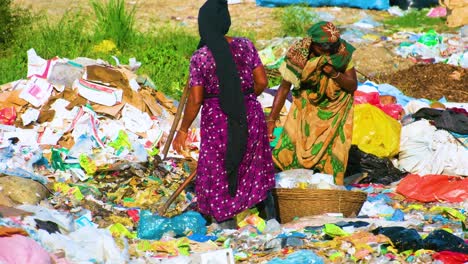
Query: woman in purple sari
(235, 168)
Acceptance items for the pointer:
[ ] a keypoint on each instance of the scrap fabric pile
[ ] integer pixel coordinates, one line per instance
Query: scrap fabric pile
(82, 180)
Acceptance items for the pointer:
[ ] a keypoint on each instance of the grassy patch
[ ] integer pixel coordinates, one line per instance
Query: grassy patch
(165, 55)
(295, 19)
(164, 51)
(12, 22)
(114, 21)
(64, 38)
(417, 20)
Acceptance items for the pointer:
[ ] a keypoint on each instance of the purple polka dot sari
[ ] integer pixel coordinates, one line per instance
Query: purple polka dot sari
(256, 172)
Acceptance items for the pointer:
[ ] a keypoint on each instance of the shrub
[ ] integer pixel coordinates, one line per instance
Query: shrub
(114, 21)
(295, 19)
(11, 21)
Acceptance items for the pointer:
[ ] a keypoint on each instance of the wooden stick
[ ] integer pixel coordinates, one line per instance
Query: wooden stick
(365, 76)
(174, 195)
(175, 123)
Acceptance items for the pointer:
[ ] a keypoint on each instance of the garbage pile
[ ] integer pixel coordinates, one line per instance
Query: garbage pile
(427, 47)
(86, 135)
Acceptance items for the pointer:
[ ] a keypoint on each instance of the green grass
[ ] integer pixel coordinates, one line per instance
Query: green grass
(114, 21)
(12, 21)
(417, 20)
(165, 55)
(164, 51)
(65, 39)
(295, 19)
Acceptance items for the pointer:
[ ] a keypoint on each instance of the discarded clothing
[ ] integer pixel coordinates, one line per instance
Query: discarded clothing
(450, 120)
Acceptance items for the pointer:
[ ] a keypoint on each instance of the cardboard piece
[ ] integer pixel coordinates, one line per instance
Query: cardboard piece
(107, 75)
(108, 110)
(12, 99)
(150, 102)
(166, 102)
(457, 12)
(135, 99)
(7, 211)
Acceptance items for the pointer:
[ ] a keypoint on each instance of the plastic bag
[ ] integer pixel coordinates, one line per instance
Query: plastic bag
(406, 4)
(8, 116)
(441, 240)
(154, 226)
(375, 132)
(448, 257)
(363, 97)
(379, 170)
(432, 188)
(21, 249)
(301, 256)
(403, 238)
(390, 108)
(430, 38)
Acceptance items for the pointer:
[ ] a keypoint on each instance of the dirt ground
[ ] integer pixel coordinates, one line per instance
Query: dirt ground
(245, 16)
(432, 81)
(422, 81)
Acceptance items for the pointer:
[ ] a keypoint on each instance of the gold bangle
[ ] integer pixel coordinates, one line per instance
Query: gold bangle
(182, 131)
(336, 76)
(271, 120)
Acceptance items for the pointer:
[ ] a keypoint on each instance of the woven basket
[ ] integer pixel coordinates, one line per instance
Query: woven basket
(293, 203)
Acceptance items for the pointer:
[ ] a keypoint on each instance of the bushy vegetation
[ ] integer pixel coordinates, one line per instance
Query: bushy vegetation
(12, 20)
(295, 19)
(164, 52)
(114, 21)
(109, 31)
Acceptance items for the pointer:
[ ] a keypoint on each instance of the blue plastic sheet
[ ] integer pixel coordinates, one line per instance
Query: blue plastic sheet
(363, 4)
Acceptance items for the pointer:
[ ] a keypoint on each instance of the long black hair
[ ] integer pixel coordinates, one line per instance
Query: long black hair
(213, 24)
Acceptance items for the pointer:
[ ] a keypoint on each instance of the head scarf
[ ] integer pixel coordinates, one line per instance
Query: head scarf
(323, 32)
(213, 23)
(298, 55)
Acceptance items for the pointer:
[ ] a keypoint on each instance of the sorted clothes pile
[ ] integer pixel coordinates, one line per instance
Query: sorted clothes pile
(82, 178)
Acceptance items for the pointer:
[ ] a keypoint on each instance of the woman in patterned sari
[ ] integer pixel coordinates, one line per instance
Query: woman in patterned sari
(317, 130)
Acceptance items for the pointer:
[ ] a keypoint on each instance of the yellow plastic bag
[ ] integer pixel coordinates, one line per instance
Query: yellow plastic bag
(375, 132)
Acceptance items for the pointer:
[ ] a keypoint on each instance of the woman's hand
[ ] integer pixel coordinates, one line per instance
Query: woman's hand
(329, 70)
(270, 128)
(179, 142)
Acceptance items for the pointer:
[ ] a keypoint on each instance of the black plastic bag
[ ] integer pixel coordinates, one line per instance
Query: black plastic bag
(403, 239)
(418, 4)
(379, 170)
(441, 240)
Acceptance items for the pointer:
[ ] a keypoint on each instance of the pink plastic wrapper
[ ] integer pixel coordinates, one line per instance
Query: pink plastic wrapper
(437, 12)
(21, 249)
(8, 116)
(392, 109)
